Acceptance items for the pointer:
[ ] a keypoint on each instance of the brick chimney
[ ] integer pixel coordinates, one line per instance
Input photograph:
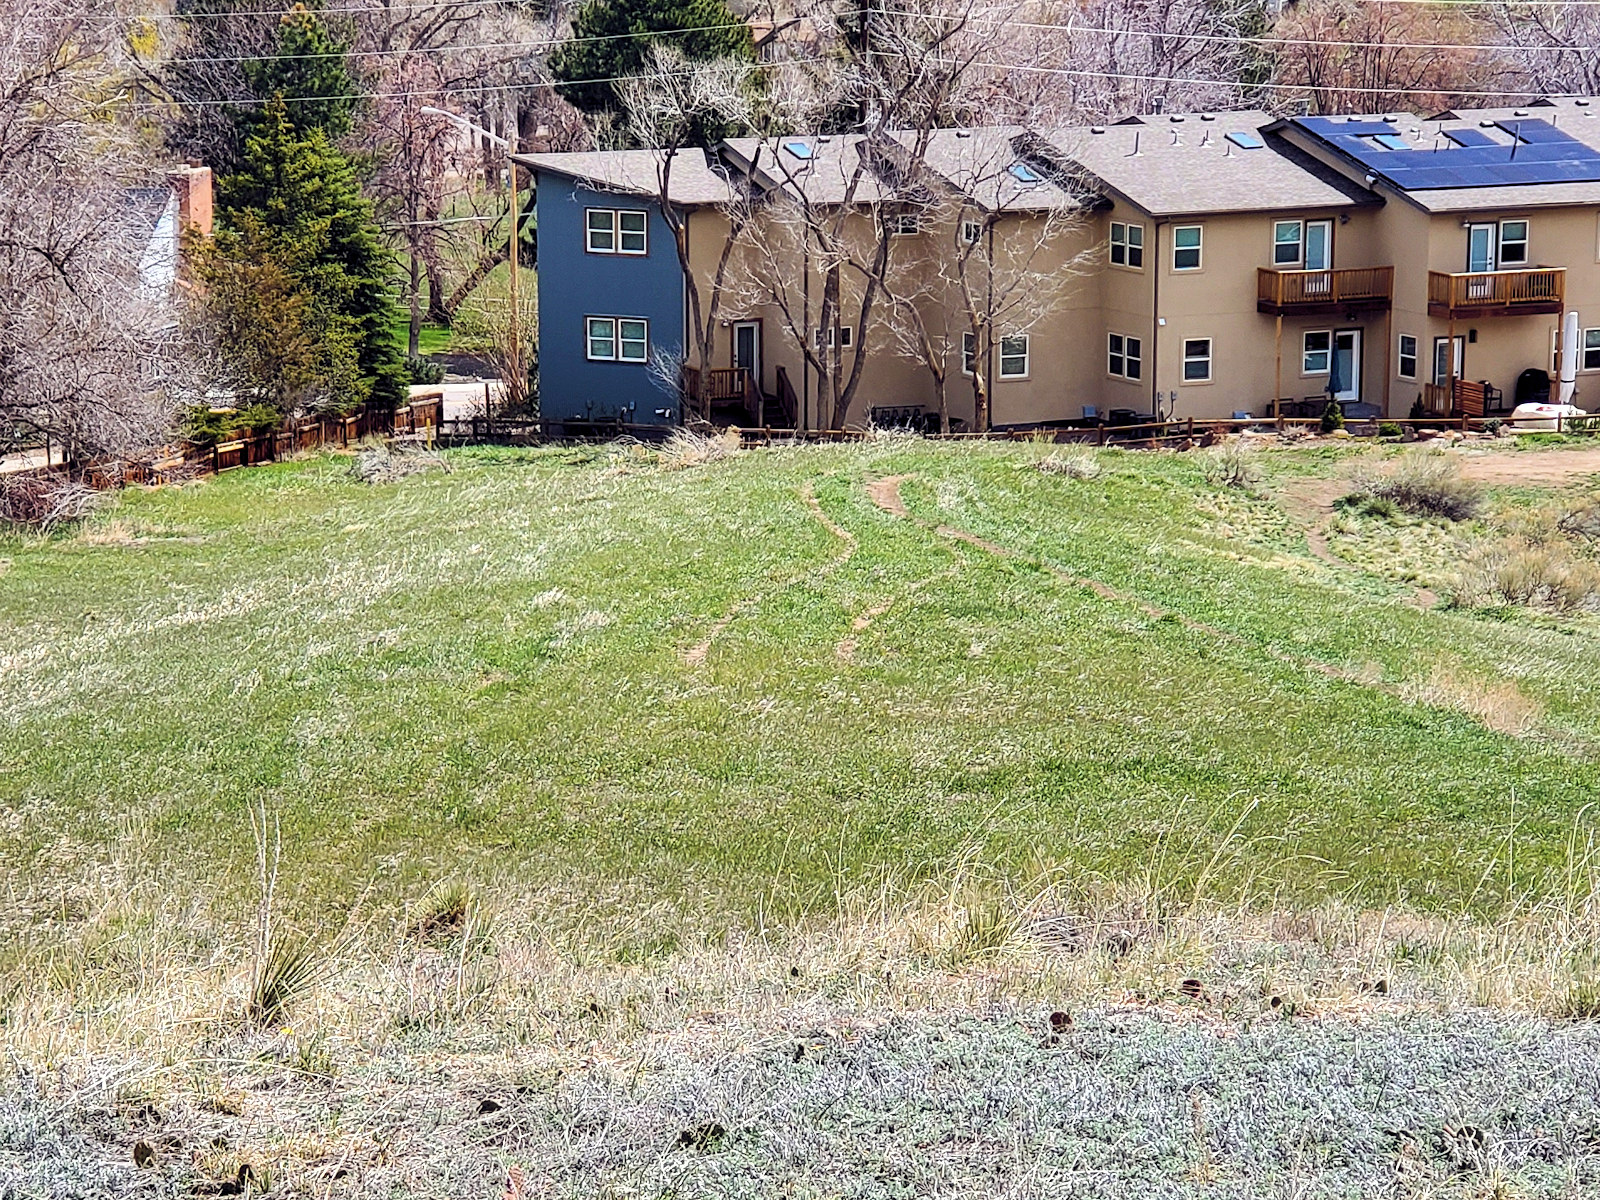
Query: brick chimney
(193, 187)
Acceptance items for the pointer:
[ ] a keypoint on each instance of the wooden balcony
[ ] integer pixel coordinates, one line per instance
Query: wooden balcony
(1540, 290)
(1318, 293)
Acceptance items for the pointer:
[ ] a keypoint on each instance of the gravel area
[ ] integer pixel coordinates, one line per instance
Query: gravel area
(1150, 1103)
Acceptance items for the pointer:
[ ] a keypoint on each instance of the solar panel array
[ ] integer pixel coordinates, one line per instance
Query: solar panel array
(1534, 151)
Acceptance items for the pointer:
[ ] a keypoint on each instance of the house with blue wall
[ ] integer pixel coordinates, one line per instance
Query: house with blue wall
(611, 288)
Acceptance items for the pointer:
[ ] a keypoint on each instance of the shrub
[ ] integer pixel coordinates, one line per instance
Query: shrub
(1077, 464)
(1581, 519)
(1332, 417)
(1425, 483)
(424, 370)
(44, 500)
(1493, 425)
(1417, 411)
(1519, 573)
(1389, 429)
(285, 974)
(206, 424)
(1364, 505)
(1232, 464)
(378, 462)
(686, 448)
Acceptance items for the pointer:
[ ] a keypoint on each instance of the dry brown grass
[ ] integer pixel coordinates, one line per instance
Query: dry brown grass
(1529, 574)
(1497, 704)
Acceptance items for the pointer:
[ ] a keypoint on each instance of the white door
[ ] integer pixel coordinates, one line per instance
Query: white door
(747, 348)
(1344, 380)
(1319, 245)
(1447, 366)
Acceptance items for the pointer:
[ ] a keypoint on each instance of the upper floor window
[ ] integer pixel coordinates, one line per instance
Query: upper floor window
(1127, 245)
(839, 335)
(618, 339)
(904, 224)
(1014, 356)
(971, 231)
(615, 231)
(1186, 247)
(969, 353)
(1286, 243)
(1513, 243)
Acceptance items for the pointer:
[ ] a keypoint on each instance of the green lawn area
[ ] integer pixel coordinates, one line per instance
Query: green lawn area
(488, 673)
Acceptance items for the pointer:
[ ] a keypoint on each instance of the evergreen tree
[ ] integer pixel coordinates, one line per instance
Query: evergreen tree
(295, 206)
(309, 73)
(607, 44)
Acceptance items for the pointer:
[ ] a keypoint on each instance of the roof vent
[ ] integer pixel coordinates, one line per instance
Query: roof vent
(1519, 112)
(1352, 119)
(1485, 124)
(1207, 117)
(1391, 120)
(1097, 129)
(1581, 103)
(1175, 118)
(963, 133)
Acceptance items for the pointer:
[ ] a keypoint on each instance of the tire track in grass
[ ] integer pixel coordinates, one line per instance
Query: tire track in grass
(696, 655)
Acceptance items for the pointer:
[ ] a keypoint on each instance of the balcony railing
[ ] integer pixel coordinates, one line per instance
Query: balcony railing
(1282, 292)
(1497, 293)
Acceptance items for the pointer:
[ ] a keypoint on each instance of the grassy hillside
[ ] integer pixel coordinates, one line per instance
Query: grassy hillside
(734, 689)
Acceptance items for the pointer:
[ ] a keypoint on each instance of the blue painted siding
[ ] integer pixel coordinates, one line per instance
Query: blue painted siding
(575, 285)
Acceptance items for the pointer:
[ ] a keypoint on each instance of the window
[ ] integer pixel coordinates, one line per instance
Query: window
(1127, 245)
(903, 224)
(840, 334)
(1123, 356)
(1591, 350)
(1286, 243)
(1316, 352)
(615, 231)
(1408, 356)
(1014, 356)
(1245, 141)
(1023, 173)
(800, 150)
(1197, 360)
(1186, 247)
(1391, 141)
(618, 339)
(1513, 243)
(971, 231)
(969, 353)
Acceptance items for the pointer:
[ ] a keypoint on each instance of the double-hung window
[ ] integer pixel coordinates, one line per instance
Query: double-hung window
(1127, 245)
(1316, 352)
(1408, 356)
(615, 231)
(1591, 350)
(1286, 242)
(1124, 356)
(618, 339)
(1186, 247)
(971, 232)
(1014, 356)
(969, 353)
(1513, 243)
(1197, 360)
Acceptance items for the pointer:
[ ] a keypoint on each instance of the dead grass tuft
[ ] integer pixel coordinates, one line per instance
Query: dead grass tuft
(1074, 464)
(1518, 573)
(687, 448)
(383, 462)
(1496, 704)
(1233, 464)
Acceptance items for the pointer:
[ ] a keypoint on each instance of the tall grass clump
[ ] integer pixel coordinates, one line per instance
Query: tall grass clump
(686, 448)
(1075, 464)
(1424, 483)
(1520, 573)
(1231, 465)
(283, 969)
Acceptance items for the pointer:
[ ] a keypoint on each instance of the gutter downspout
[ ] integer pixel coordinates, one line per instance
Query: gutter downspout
(1155, 324)
(683, 308)
(988, 349)
(805, 360)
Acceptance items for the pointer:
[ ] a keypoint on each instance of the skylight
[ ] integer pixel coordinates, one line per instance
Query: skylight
(1391, 141)
(1246, 141)
(801, 150)
(1024, 173)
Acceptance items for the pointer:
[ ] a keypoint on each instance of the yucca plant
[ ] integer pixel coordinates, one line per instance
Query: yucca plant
(285, 974)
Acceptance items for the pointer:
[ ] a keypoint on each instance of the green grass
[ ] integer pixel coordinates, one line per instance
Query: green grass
(482, 674)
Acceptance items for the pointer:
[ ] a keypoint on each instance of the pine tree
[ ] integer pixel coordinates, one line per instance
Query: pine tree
(606, 44)
(295, 204)
(308, 72)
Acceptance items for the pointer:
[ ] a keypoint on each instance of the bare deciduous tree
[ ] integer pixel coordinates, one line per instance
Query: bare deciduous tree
(1551, 47)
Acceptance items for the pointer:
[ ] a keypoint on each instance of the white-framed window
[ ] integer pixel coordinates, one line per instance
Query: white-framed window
(1197, 360)
(1513, 243)
(904, 224)
(1127, 245)
(1287, 239)
(616, 231)
(1591, 350)
(617, 339)
(1124, 356)
(1316, 352)
(1408, 356)
(971, 232)
(1186, 240)
(969, 353)
(1014, 356)
(841, 335)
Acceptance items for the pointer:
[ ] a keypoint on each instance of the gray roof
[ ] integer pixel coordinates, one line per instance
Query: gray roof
(978, 163)
(832, 172)
(636, 172)
(1184, 165)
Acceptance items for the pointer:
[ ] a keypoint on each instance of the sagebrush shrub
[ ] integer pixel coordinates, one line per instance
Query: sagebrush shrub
(1079, 464)
(1525, 574)
(1425, 483)
(1232, 464)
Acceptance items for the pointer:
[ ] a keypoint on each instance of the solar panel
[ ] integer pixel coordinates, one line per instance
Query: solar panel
(1470, 137)
(1541, 153)
(1533, 130)
(1392, 141)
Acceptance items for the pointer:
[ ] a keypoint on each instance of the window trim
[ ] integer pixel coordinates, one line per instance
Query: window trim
(1198, 248)
(615, 231)
(1524, 242)
(1207, 358)
(1308, 372)
(616, 339)
(976, 227)
(1401, 356)
(1123, 354)
(1027, 357)
(897, 224)
(969, 352)
(844, 333)
(1127, 245)
(1299, 244)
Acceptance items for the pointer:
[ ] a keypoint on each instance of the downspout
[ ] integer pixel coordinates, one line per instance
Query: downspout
(1155, 324)
(805, 332)
(988, 349)
(683, 309)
